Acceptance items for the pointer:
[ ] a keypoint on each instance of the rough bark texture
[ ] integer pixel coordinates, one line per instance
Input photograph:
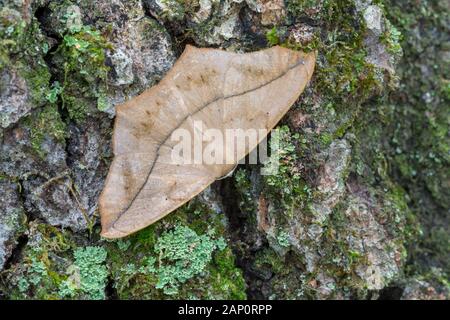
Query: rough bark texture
(358, 209)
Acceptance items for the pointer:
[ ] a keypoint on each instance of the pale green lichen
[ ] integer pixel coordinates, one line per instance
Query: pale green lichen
(67, 289)
(55, 91)
(392, 38)
(23, 285)
(182, 255)
(37, 270)
(283, 238)
(93, 272)
(123, 244)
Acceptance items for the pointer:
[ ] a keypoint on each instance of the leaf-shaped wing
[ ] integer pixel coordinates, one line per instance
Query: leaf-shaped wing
(222, 90)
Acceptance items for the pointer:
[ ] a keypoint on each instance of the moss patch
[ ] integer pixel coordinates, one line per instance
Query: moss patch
(82, 55)
(184, 256)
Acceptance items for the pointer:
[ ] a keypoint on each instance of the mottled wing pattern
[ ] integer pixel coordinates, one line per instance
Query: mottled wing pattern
(221, 89)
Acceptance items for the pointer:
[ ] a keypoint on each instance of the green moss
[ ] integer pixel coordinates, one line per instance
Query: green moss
(341, 89)
(23, 285)
(342, 129)
(269, 258)
(82, 55)
(326, 138)
(418, 131)
(340, 258)
(272, 37)
(123, 245)
(38, 79)
(227, 281)
(342, 73)
(22, 49)
(180, 257)
(244, 188)
(343, 78)
(43, 265)
(283, 182)
(46, 123)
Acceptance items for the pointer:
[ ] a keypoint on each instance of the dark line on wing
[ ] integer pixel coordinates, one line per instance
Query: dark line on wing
(301, 62)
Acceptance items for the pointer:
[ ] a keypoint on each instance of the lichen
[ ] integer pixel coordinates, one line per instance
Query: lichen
(392, 38)
(43, 265)
(182, 256)
(283, 238)
(93, 273)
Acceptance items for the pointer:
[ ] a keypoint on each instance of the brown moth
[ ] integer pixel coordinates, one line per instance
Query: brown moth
(221, 89)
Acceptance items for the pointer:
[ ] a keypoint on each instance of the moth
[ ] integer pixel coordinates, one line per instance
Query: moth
(221, 91)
